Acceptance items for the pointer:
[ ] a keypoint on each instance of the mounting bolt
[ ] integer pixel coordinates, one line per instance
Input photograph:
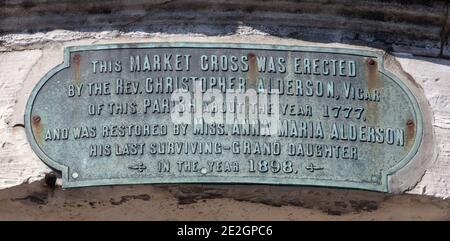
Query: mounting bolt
(75, 175)
(371, 61)
(36, 119)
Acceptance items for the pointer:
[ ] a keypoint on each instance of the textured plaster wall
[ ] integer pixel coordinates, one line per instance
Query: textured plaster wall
(26, 56)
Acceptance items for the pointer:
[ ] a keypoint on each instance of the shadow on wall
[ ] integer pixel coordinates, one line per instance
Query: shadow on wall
(419, 27)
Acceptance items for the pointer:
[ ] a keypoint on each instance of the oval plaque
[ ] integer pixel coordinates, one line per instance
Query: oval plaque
(223, 113)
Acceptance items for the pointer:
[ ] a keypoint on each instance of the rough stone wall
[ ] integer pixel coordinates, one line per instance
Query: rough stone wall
(33, 34)
(418, 26)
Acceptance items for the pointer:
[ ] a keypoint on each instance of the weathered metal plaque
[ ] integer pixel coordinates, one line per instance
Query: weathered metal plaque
(223, 113)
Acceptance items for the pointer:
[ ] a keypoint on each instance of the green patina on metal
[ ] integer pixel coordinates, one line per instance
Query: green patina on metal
(104, 116)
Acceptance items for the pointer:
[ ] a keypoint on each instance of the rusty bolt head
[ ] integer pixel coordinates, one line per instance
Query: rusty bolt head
(410, 122)
(36, 119)
(76, 59)
(371, 61)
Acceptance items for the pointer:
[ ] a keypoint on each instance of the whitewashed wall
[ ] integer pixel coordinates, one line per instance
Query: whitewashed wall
(26, 56)
(20, 70)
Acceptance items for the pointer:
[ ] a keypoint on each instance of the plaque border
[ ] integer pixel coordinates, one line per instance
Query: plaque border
(378, 54)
